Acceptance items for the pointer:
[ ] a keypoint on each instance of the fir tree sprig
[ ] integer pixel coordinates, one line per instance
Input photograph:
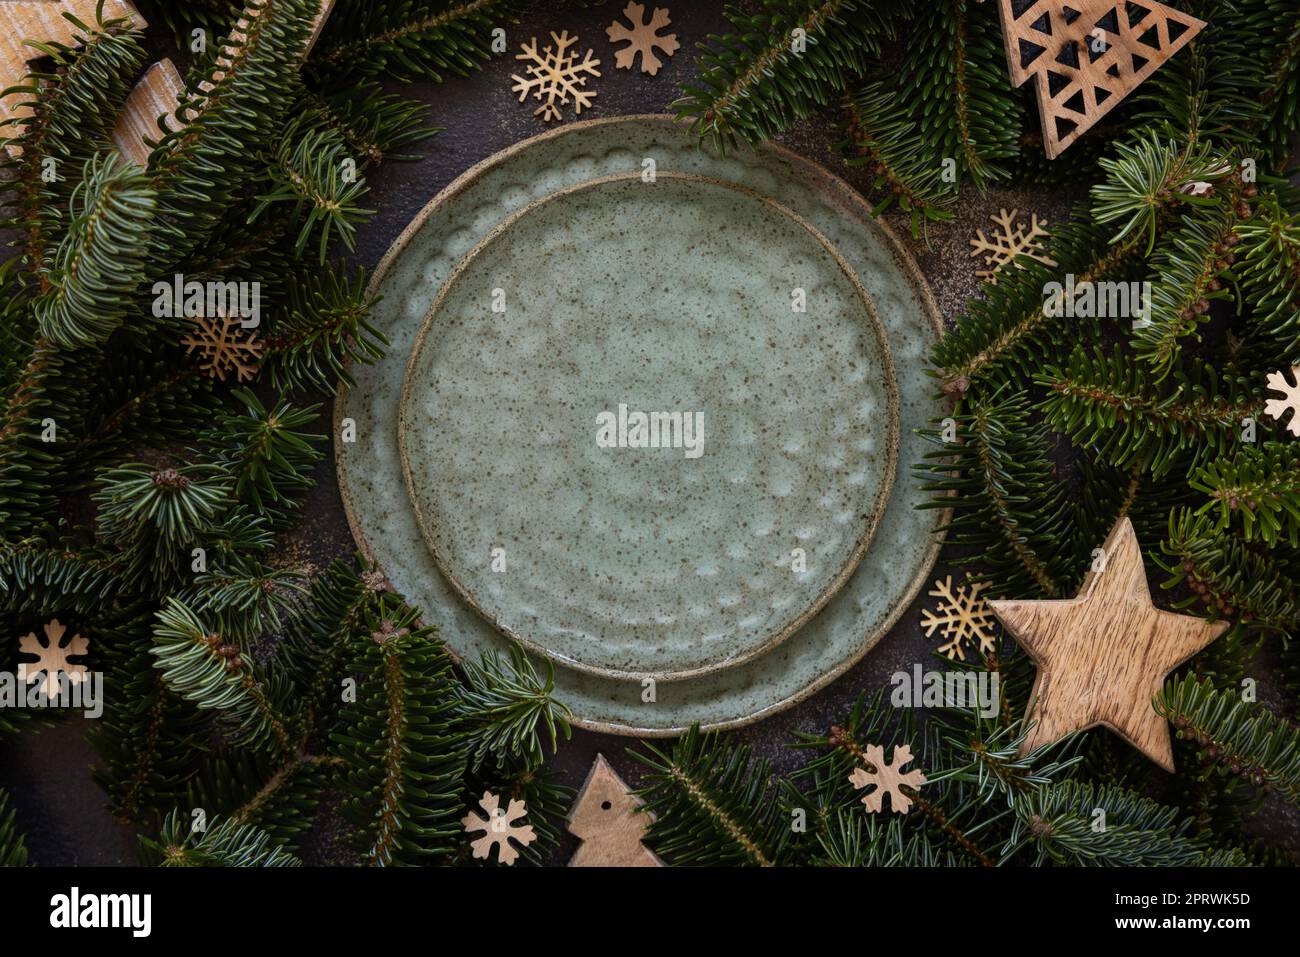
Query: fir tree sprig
(1259, 488)
(712, 804)
(222, 842)
(13, 853)
(1074, 822)
(1234, 737)
(780, 64)
(89, 279)
(511, 709)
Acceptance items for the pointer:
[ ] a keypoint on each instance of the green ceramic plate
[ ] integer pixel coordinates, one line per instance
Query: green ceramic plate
(453, 223)
(669, 442)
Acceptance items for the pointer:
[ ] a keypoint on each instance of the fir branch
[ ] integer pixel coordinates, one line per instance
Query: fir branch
(201, 666)
(1270, 270)
(1190, 271)
(1110, 401)
(267, 455)
(229, 109)
(711, 804)
(402, 742)
(956, 73)
(1001, 336)
(1259, 487)
(1233, 737)
(373, 124)
(1150, 176)
(879, 135)
(1228, 578)
(325, 328)
(13, 853)
(223, 842)
(311, 174)
(756, 81)
(343, 599)
(378, 38)
(72, 110)
(1008, 505)
(844, 740)
(511, 710)
(92, 275)
(1059, 822)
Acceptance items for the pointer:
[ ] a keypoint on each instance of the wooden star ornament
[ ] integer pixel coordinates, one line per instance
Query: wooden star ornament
(1104, 654)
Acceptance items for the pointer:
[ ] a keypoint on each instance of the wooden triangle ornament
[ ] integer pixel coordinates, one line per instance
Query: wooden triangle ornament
(1103, 655)
(1087, 55)
(607, 818)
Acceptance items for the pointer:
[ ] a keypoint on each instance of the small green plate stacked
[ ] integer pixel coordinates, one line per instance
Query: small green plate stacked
(649, 412)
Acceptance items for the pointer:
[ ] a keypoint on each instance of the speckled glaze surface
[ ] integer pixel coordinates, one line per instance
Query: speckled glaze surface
(410, 277)
(639, 552)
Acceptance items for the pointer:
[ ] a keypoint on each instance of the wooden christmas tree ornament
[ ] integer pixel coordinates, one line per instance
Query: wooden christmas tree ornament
(159, 91)
(41, 21)
(606, 818)
(1103, 655)
(1087, 55)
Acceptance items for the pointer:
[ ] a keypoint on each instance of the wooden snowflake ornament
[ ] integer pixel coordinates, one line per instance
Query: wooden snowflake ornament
(1103, 655)
(52, 657)
(642, 38)
(964, 618)
(1087, 55)
(607, 817)
(1277, 408)
(888, 779)
(223, 347)
(499, 828)
(554, 76)
(1010, 239)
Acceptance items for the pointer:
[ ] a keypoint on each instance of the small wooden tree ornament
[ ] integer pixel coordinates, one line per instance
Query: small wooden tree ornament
(42, 21)
(159, 91)
(1087, 55)
(1103, 655)
(606, 818)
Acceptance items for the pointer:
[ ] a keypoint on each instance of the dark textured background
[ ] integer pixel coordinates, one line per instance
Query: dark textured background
(60, 808)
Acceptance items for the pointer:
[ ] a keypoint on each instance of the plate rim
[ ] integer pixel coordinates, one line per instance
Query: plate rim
(771, 640)
(855, 204)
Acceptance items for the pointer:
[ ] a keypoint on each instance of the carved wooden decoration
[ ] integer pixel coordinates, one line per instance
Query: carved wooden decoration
(158, 94)
(887, 780)
(41, 21)
(223, 347)
(1103, 655)
(642, 37)
(1087, 55)
(605, 817)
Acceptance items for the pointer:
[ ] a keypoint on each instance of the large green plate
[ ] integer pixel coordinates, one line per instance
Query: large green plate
(457, 220)
(731, 322)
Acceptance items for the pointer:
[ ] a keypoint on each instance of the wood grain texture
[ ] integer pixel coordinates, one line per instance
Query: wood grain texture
(606, 817)
(1103, 655)
(158, 95)
(42, 21)
(1076, 86)
(154, 97)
